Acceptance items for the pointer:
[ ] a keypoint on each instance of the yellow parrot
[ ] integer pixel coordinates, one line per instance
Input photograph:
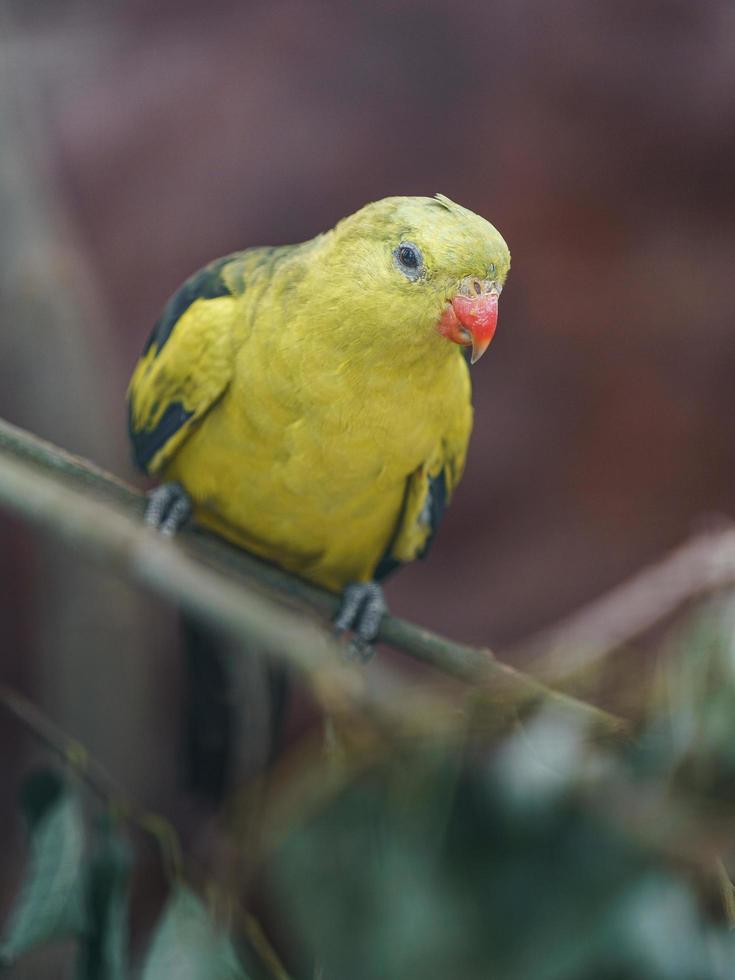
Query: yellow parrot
(311, 402)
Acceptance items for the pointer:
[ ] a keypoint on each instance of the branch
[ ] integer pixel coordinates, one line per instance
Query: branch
(461, 661)
(235, 592)
(94, 774)
(702, 566)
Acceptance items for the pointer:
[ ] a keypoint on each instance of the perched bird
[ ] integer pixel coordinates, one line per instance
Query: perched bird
(311, 402)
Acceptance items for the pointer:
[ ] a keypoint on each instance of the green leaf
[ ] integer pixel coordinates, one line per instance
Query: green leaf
(416, 870)
(103, 954)
(50, 902)
(188, 945)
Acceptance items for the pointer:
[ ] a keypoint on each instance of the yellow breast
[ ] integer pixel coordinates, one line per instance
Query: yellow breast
(305, 459)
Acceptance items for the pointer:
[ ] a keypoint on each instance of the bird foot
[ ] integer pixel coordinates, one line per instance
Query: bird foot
(169, 508)
(362, 610)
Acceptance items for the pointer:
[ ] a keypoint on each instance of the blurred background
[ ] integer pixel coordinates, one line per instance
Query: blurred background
(141, 138)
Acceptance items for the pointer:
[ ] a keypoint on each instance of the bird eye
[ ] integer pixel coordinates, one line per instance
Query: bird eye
(409, 259)
(407, 255)
(491, 270)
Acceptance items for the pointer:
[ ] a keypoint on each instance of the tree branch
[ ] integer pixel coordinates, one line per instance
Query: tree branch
(461, 661)
(94, 774)
(702, 566)
(100, 514)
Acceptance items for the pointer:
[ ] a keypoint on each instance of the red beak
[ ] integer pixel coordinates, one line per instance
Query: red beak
(472, 319)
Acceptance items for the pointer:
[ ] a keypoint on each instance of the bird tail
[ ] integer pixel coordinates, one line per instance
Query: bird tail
(236, 702)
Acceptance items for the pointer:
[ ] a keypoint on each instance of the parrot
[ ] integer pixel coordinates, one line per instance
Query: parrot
(311, 403)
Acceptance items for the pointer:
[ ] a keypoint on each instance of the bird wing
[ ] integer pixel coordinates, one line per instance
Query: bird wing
(187, 363)
(428, 492)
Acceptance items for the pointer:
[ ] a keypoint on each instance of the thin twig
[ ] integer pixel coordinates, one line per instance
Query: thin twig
(262, 945)
(243, 596)
(702, 566)
(94, 774)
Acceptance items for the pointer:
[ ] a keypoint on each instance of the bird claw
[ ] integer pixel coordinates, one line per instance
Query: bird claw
(362, 610)
(168, 509)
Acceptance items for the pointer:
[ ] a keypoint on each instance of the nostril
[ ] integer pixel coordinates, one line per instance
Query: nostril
(477, 287)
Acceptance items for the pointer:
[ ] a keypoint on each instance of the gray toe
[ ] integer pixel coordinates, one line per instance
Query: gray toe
(352, 598)
(362, 610)
(168, 509)
(178, 515)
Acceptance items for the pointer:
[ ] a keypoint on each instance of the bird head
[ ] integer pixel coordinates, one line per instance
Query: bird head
(423, 272)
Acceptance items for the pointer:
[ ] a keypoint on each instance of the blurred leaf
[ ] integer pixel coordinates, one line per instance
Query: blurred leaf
(50, 901)
(694, 728)
(188, 945)
(523, 882)
(103, 954)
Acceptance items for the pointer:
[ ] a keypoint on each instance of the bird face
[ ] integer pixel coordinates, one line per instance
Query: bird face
(457, 240)
(470, 316)
(402, 276)
(430, 267)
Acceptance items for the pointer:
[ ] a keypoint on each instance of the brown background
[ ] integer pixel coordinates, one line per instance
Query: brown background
(150, 136)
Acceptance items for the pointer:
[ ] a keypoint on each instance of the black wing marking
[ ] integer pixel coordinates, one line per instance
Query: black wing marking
(386, 566)
(205, 284)
(436, 503)
(146, 443)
